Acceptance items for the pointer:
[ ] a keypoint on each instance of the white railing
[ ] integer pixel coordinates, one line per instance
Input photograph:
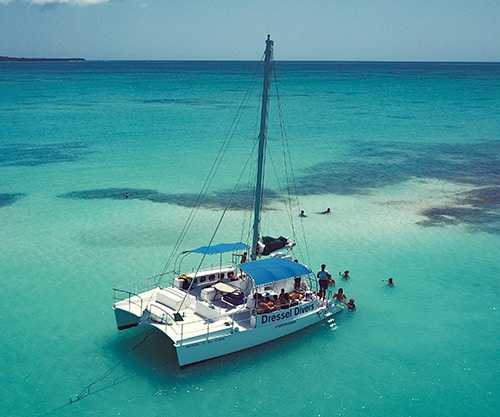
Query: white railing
(130, 295)
(181, 329)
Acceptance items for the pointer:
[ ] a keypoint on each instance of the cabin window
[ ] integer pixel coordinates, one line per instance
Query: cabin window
(211, 277)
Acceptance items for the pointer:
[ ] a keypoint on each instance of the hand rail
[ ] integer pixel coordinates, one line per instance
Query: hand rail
(129, 294)
(169, 320)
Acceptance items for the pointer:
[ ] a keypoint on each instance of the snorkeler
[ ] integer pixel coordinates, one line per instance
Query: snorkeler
(345, 275)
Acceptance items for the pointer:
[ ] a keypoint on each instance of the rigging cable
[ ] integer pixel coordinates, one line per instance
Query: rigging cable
(221, 218)
(215, 167)
(289, 174)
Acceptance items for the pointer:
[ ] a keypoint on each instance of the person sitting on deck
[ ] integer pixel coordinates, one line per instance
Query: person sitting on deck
(266, 306)
(272, 305)
(295, 297)
(284, 299)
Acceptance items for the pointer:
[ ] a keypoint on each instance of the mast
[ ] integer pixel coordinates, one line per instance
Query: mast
(259, 185)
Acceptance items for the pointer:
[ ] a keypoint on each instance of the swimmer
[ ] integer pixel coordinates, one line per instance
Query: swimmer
(340, 296)
(390, 282)
(302, 213)
(327, 211)
(345, 275)
(350, 305)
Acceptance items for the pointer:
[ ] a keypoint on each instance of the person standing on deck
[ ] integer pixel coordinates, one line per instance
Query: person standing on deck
(323, 277)
(243, 260)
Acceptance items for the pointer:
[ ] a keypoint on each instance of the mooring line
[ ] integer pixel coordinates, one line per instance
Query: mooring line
(87, 390)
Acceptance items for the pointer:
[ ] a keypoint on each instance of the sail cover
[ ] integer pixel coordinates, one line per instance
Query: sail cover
(269, 244)
(267, 271)
(220, 248)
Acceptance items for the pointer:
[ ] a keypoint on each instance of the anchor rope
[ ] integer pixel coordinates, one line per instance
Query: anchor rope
(90, 388)
(87, 390)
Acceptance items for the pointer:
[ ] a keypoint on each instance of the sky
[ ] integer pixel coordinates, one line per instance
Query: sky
(329, 30)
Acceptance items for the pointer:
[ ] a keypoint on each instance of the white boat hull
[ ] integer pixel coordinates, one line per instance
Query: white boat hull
(125, 319)
(234, 341)
(200, 340)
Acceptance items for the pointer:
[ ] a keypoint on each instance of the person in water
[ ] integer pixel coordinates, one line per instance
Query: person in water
(340, 296)
(350, 305)
(302, 213)
(323, 278)
(327, 211)
(390, 282)
(345, 275)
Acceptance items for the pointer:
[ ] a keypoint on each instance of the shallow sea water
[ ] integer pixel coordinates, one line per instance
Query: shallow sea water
(398, 151)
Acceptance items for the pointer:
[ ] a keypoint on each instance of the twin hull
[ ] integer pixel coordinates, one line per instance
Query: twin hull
(234, 338)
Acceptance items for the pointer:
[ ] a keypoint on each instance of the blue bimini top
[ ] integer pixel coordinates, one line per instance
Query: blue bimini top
(220, 248)
(267, 271)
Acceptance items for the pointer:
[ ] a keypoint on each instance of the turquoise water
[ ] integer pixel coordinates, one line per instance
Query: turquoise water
(407, 157)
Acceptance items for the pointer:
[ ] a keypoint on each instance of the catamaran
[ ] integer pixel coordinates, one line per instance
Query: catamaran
(235, 303)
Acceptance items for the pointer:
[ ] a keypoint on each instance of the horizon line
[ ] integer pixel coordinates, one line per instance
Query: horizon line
(82, 60)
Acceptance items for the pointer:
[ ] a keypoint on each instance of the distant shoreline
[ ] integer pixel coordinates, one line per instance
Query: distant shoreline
(13, 59)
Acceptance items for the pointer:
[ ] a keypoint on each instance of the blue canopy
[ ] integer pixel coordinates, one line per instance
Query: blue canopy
(220, 248)
(267, 271)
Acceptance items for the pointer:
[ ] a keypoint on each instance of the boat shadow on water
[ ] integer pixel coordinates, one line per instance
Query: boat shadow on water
(149, 353)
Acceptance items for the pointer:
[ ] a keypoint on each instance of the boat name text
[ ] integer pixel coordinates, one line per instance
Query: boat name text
(283, 315)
